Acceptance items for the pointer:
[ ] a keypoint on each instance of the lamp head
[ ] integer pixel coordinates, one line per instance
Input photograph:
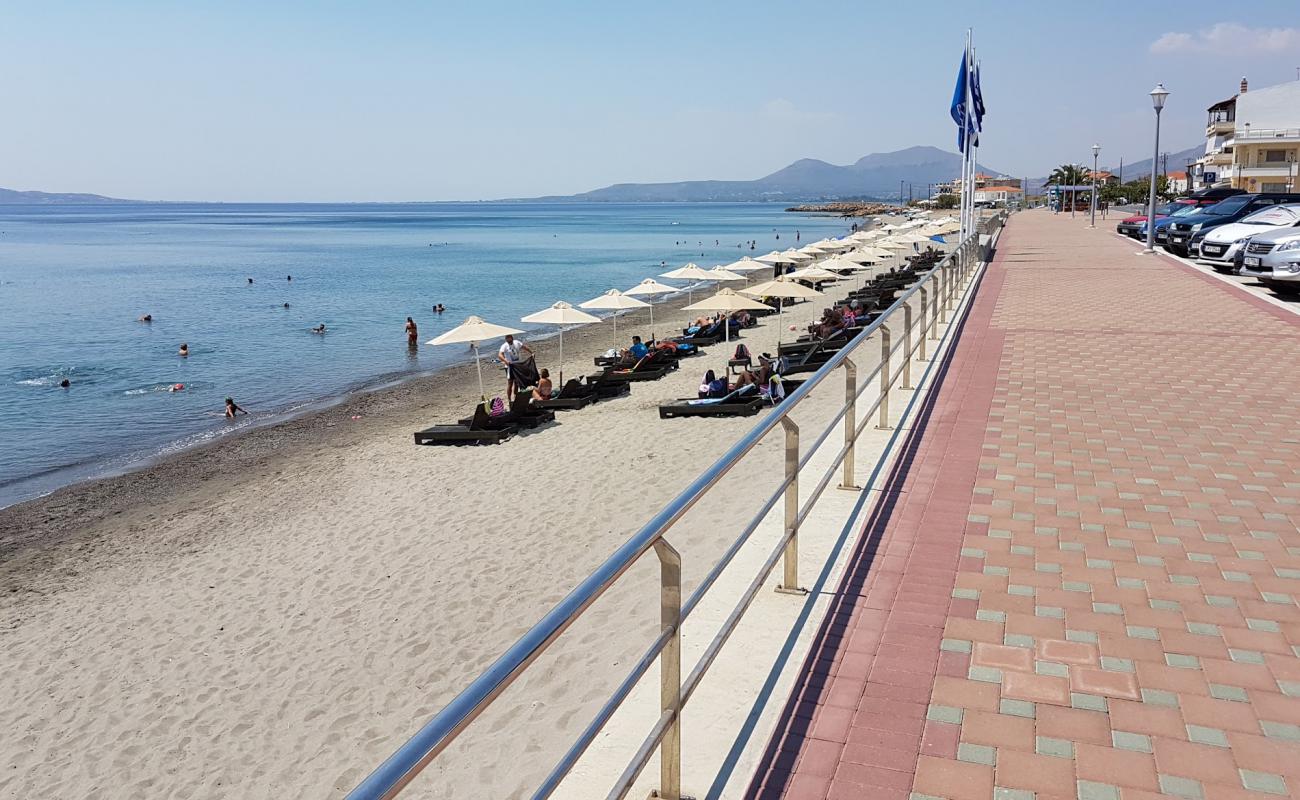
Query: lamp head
(1096, 148)
(1158, 96)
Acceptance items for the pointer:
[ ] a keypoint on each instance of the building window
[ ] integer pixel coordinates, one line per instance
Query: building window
(1274, 157)
(1272, 187)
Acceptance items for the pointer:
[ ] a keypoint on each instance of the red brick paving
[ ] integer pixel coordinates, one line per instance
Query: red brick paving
(1082, 578)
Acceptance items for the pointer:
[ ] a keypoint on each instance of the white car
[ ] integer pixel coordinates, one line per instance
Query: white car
(1274, 258)
(1221, 245)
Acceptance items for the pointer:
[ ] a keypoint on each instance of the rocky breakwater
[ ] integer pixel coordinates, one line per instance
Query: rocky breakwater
(846, 209)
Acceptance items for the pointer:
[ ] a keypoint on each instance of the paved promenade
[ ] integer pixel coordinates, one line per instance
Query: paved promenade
(1083, 579)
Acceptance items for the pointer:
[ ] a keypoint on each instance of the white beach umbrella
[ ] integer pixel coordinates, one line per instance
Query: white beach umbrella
(813, 274)
(841, 263)
(797, 256)
(728, 300)
(773, 258)
(615, 301)
(724, 275)
(745, 265)
(650, 288)
(690, 272)
(561, 314)
(475, 330)
(782, 288)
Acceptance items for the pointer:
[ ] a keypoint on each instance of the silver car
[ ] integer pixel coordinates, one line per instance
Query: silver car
(1274, 258)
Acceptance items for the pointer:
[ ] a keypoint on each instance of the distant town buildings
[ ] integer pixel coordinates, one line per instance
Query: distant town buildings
(1178, 182)
(982, 181)
(1252, 141)
(999, 194)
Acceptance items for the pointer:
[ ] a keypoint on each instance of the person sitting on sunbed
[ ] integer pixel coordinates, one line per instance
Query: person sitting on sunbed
(638, 350)
(712, 385)
(544, 387)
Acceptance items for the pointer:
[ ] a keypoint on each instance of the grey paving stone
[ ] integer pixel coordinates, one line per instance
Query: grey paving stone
(1053, 612)
(1108, 608)
(1203, 628)
(1051, 668)
(987, 615)
(1246, 656)
(1090, 790)
(1126, 740)
(949, 714)
(1142, 632)
(1088, 702)
(1165, 605)
(1047, 746)
(1017, 640)
(966, 594)
(1020, 590)
(1113, 664)
(1081, 636)
(1160, 697)
(1289, 688)
(1017, 708)
(985, 674)
(1203, 735)
(1267, 625)
(1182, 661)
(977, 754)
(1003, 793)
(1221, 691)
(1263, 782)
(1181, 787)
(955, 645)
(1280, 730)
(1220, 601)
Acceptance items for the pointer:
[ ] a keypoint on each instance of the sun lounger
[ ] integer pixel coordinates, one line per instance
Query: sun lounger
(476, 432)
(742, 402)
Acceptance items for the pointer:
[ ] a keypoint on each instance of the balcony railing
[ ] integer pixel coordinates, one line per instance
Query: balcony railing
(932, 298)
(1267, 134)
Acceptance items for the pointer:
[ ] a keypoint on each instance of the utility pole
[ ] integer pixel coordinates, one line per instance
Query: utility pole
(1164, 165)
(1121, 170)
(900, 192)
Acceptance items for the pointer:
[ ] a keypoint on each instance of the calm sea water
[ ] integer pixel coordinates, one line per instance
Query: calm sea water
(74, 279)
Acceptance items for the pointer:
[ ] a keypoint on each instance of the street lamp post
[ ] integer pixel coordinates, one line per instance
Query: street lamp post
(1074, 179)
(1096, 148)
(1158, 96)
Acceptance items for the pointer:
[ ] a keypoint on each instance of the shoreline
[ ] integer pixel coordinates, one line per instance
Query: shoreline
(39, 520)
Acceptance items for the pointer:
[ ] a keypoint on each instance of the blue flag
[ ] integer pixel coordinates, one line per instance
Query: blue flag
(978, 97)
(958, 109)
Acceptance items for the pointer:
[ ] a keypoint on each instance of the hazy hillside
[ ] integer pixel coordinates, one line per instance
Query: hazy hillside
(875, 176)
(12, 197)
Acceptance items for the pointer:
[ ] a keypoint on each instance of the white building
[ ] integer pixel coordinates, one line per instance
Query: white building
(1266, 146)
(1252, 141)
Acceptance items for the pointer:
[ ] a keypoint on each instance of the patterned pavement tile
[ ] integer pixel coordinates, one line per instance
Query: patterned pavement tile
(1090, 587)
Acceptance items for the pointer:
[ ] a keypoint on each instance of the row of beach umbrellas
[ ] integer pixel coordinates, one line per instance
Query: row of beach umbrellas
(854, 253)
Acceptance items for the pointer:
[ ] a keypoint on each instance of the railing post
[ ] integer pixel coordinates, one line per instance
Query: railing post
(924, 326)
(940, 314)
(670, 670)
(883, 424)
(850, 423)
(907, 345)
(790, 580)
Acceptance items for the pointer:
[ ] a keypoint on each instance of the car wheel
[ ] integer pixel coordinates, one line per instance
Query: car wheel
(1289, 289)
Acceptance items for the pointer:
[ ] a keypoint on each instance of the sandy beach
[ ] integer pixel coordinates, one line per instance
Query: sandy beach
(273, 614)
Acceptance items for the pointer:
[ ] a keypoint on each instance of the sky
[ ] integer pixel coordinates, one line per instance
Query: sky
(346, 101)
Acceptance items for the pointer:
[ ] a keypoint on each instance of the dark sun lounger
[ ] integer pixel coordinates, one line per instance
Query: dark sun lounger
(742, 402)
(477, 432)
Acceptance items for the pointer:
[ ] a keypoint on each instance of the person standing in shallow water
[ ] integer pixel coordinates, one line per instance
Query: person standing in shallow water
(412, 333)
(232, 408)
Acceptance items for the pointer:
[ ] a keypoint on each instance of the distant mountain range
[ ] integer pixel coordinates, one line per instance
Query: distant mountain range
(9, 197)
(873, 177)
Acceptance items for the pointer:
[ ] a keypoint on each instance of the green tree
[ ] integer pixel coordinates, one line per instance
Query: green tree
(945, 201)
(1070, 175)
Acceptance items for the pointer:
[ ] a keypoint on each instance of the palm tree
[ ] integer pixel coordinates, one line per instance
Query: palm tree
(1070, 175)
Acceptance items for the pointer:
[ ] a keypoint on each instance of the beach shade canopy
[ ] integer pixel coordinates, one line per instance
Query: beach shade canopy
(774, 258)
(795, 256)
(841, 263)
(724, 274)
(690, 272)
(728, 300)
(649, 288)
(475, 330)
(561, 314)
(782, 288)
(615, 301)
(813, 274)
(912, 238)
(746, 264)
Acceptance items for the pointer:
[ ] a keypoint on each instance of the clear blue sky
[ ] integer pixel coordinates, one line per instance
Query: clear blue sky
(337, 101)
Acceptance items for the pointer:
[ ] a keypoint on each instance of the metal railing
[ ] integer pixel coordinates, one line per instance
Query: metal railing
(938, 295)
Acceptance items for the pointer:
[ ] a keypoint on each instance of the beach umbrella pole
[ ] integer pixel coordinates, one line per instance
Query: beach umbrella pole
(561, 356)
(478, 365)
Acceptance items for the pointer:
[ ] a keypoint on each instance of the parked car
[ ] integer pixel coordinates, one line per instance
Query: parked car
(1274, 258)
(1223, 212)
(1162, 223)
(1219, 246)
(1132, 226)
(1214, 195)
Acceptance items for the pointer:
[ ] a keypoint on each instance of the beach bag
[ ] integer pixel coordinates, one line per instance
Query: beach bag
(497, 407)
(742, 354)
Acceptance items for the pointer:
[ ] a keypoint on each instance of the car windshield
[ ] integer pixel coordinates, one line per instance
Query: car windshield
(1228, 207)
(1172, 208)
(1275, 217)
(1185, 211)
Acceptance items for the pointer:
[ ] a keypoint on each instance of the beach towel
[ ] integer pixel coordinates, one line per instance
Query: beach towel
(524, 373)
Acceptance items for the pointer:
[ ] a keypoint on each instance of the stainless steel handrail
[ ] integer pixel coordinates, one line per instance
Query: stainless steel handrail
(388, 780)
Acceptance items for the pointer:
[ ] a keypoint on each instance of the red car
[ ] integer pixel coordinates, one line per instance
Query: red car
(1131, 226)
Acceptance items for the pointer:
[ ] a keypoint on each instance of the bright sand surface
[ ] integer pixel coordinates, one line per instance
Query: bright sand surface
(272, 616)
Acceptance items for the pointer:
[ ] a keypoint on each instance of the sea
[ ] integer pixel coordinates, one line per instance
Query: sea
(244, 284)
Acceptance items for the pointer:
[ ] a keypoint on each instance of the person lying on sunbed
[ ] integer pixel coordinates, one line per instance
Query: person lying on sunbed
(712, 385)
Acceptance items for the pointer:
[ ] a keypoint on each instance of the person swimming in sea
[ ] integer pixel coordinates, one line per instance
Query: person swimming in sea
(289, 278)
(250, 280)
(286, 305)
(232, 408)
(319, 328)
(176, 387)
(184, 352)
(146, 318)
(65, 383)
